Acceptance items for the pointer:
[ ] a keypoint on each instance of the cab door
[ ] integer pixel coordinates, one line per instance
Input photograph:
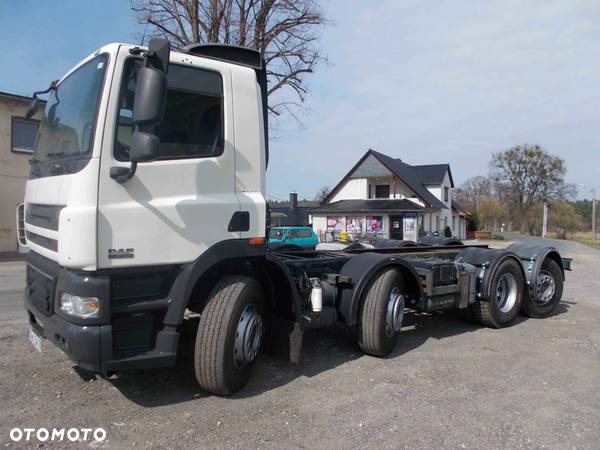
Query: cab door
(174, 208)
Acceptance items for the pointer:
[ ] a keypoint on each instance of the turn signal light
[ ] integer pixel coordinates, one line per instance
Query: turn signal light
(257, 241)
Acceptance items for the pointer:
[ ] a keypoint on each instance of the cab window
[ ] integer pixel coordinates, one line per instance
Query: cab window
(192, 126)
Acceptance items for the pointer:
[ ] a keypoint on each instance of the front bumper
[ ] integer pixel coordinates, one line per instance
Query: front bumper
(81, 343)
(128, 336)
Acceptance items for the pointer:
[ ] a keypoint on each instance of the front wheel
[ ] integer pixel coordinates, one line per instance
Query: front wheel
(505, 297)
(229, 335)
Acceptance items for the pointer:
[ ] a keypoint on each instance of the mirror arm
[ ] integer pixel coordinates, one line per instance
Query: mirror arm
(50, 88)
(121, 174)
(35, 102)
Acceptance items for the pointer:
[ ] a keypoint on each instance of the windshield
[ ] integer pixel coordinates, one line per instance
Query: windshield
(276, 233)
(67, 125)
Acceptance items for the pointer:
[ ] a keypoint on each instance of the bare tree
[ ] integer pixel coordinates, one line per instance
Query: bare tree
(528, 174)
(285, 32)
(322, 193)
(470, 193)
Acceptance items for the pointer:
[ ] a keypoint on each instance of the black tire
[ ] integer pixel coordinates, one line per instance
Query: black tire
(216, 368)
(499, 311)
(374, 336)
(535, 307)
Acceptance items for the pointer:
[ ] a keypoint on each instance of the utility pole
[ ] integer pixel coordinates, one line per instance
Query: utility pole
(593, 191)
(545, 220)
(594, 214)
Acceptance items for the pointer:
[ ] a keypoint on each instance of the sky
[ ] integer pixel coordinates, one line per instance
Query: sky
(427, 82)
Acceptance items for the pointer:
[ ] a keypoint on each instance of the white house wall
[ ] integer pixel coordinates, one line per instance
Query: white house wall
(354, 188)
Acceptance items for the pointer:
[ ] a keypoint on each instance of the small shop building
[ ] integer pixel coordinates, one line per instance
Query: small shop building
(384, 197)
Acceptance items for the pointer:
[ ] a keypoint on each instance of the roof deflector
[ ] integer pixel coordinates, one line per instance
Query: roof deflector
(230, 53)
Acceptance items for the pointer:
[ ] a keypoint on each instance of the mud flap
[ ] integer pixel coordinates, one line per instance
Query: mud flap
(284, 339)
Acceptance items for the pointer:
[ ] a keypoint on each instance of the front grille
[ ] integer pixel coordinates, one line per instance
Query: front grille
(42, 241)
(40, 288)
(21, 224)
(44, 216)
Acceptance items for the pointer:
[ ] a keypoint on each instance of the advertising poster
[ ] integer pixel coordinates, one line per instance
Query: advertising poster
(410, 227)
(354, 225)
(374, 224)
(334, 224)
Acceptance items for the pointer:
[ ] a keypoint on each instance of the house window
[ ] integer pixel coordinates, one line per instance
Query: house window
(23, 135)
(453, 223)
(382, 191)
(446, 193)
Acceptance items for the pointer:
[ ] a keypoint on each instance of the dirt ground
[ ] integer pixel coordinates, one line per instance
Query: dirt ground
(448, 384)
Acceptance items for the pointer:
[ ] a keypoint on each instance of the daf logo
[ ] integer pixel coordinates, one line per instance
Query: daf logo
(120, 253)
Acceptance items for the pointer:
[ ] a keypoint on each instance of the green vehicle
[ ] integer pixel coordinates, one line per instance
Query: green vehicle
(301, 236)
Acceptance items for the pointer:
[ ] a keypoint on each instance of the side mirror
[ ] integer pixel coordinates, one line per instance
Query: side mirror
(160, 50)
(150, 97)
(144, 147)
(148, 108)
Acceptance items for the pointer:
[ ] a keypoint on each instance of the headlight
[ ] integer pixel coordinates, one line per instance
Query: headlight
(79, 306)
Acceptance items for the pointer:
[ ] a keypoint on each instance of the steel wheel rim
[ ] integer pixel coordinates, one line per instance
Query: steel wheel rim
(545, 288)
(506, 292)
(248, 336)
(395, 312)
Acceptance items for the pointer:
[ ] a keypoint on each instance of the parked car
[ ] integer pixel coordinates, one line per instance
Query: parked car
(301, 236)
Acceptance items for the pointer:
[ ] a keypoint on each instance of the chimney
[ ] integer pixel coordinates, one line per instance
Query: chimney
(293, 201)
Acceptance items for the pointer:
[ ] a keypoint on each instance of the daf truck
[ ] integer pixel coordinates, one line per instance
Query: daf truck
(145, 212)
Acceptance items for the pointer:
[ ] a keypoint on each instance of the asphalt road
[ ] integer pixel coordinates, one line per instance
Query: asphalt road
(448, 384)
(12, 282)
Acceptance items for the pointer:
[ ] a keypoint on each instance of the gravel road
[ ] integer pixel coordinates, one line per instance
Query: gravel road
(448, 384)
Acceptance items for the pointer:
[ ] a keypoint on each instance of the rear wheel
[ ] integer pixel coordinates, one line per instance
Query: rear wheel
(547, 289)
(382, 314)
(229, 335)
(505, 297)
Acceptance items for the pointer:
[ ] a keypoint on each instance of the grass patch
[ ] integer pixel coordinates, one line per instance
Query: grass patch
(493, 237)
(585, 237)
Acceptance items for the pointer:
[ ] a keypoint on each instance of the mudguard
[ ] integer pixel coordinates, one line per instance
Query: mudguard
(487, 261)
(532, 257)
(360, 269)
(393, 243)
(437, 241)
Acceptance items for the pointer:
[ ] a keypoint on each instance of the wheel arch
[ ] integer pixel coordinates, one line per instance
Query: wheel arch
(196, 280)
(362, 269)
(488, 261)
(532, 258)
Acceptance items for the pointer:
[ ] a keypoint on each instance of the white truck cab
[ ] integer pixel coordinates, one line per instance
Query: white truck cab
(212, 155)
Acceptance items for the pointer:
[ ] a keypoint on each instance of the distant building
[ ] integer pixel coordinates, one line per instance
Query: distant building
(384, 197)
(292, 213)
(17, 137)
